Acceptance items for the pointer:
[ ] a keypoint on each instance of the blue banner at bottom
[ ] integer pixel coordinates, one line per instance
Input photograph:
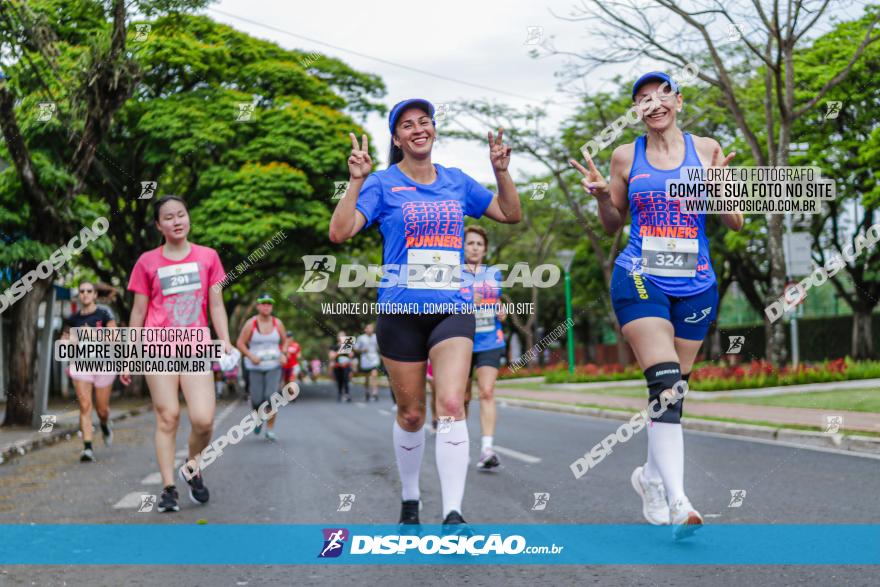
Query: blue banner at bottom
(256, 544)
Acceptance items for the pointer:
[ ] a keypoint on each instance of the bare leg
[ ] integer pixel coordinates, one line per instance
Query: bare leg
(200, 406)
(163, 390)
(84, 397)
(486, 377)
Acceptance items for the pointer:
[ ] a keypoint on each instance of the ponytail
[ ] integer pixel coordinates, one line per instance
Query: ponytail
(395, 154)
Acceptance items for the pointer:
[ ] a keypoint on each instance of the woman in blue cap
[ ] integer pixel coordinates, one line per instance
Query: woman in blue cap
(420, 208)
(663, 288)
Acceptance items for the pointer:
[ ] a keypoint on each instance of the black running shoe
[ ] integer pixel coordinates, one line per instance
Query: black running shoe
(455, 524)
(409, 512)
(198, 493)
(168, 500)
(87, 456)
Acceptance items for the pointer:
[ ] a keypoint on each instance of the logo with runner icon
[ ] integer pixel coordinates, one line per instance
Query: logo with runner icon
(444, 424)
(347, 345)
(541, 501)
(147, 503)
(318, 271)
(47, 423)
(346, 500)
(736, 344)
(833, 424)
(737, 496)
(334, 540)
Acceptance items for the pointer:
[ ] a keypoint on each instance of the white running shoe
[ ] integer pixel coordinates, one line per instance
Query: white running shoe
(653, 494)
(684, 518)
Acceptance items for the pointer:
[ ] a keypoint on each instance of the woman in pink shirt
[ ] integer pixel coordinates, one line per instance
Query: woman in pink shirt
(173, 287)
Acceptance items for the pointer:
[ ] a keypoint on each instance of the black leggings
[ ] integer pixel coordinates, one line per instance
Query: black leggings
(341, 376)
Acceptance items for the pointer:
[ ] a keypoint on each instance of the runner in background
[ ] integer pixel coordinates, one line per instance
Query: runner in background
(90, 315)
(367, 348)
(291, 369)
(663, 288)
(173, 287)
(315, 369)
(489, 338)
(263, 342)
(340, 356)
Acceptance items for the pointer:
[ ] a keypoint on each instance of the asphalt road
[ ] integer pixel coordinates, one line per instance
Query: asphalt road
(326, 449)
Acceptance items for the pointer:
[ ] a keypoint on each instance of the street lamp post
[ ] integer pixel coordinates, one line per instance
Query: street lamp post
(566, 256)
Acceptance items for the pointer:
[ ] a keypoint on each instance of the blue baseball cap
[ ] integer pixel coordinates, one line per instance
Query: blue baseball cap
(655, 76)
(401, 106)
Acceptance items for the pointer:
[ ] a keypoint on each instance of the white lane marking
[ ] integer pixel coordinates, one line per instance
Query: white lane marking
(226, 411)
(360, 405)
(156, 478)
(711, 515)
(131, 500)
(134, 499)
(383, 412)
(515, 454)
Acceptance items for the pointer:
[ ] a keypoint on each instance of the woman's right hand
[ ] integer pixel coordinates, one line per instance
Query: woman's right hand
(255, 360)
(360, 165)
(592, 182)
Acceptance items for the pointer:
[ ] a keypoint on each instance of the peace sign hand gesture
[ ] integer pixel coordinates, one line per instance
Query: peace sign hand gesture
(592, 182)
(499, 153)
(718, 158)
(359, 163)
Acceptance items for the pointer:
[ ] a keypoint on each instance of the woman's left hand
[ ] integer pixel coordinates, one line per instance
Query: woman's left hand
(499, 153)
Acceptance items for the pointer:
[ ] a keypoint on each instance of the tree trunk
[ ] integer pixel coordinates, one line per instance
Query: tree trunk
(862, 334)
(622, 358)
(22, 355)
(530, 343)
(776, 350)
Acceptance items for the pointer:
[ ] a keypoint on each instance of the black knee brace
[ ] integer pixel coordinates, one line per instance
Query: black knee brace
(661, 377)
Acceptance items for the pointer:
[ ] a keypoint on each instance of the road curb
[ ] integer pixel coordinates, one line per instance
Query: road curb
(854, 443)
(22, 447)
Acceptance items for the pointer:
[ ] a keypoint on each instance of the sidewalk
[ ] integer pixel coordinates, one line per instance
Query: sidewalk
(18, 440)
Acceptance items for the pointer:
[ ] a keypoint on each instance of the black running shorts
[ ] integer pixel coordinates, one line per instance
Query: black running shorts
(409, 337)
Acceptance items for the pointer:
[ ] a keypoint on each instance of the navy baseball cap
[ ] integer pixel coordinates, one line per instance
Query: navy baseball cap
(401, 106)
(655, 76)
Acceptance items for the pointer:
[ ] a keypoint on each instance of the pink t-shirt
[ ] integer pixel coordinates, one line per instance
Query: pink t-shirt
(178, 290)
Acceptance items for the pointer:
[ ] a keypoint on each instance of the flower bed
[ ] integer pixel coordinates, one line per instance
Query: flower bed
(714, 377)
(590, 373)
(707, 377)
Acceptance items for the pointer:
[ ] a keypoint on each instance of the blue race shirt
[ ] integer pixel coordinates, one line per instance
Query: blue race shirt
(485, 291)
(669, 248)
(422, 226)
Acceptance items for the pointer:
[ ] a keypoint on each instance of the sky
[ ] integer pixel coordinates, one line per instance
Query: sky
(478, 42)
(483, 43)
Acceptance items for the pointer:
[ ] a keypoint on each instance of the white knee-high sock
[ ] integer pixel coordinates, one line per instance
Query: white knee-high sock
(666, 443)
(408, 450)
(452, 449)
(650, 472)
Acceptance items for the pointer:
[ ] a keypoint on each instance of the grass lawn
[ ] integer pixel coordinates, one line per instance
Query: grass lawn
(733, 420)
(856, 400)
(622, 391)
